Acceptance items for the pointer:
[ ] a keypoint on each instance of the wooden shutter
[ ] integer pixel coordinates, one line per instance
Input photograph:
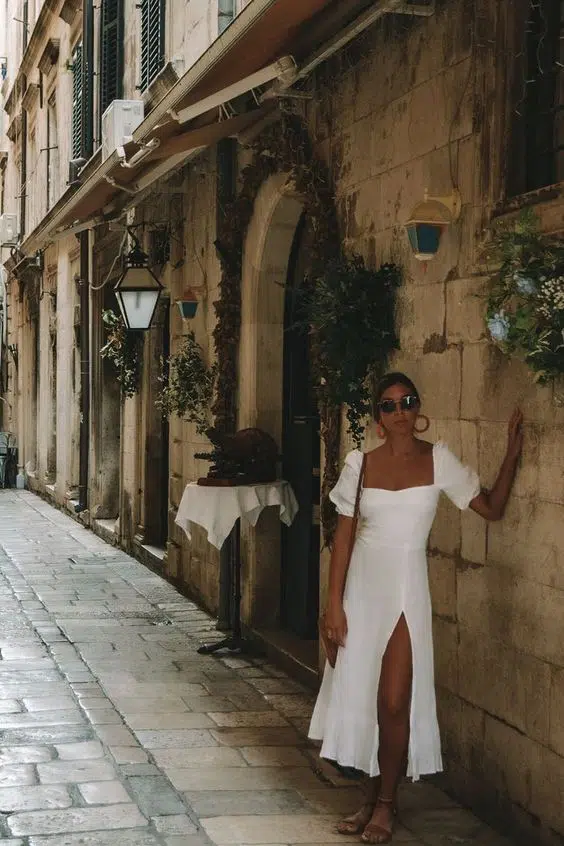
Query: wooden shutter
(76, 130)
(111, 53)
(152, 40)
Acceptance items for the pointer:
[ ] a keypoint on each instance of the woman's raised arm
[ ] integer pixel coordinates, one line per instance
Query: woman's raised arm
(491, 504)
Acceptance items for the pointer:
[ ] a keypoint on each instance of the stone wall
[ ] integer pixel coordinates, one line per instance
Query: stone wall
(399, 116)
(194, 564)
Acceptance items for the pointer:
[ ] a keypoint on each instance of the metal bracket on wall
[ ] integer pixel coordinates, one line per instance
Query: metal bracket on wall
(418, 8)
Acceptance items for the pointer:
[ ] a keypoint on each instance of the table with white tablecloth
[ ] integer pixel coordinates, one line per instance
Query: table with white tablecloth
(220, 511)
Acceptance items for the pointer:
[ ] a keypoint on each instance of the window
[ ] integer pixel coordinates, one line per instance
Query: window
(539, 110)
(76, 127)
(53, 178)
(111, 53)
(226, 13)
(152, 40)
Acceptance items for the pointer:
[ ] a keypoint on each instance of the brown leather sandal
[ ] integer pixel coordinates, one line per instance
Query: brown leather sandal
(356, 823)
(377, 834)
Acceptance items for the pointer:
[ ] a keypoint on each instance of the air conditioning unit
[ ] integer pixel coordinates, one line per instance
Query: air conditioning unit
(8, 229)
(119, 122)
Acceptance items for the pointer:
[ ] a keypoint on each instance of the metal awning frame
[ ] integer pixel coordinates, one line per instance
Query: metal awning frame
(283, 74)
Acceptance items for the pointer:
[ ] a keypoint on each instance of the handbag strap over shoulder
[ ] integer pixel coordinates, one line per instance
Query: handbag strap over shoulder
(356, 508)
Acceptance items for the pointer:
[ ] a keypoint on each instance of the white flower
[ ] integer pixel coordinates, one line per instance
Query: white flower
(498, 326)
(525, 285)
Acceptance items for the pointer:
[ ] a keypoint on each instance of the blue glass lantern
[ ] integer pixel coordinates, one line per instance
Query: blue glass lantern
(424, 239)
(427, 223)
(188, 305)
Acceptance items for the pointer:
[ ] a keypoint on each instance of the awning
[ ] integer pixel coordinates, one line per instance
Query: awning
(269, 40)
(112, 177)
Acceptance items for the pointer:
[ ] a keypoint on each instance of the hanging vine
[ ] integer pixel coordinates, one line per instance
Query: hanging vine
(285, 147)
(124, 348)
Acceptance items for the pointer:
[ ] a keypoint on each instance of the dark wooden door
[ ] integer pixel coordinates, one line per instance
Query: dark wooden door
(301, 457)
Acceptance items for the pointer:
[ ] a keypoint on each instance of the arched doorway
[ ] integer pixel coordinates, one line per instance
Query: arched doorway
(281, 569)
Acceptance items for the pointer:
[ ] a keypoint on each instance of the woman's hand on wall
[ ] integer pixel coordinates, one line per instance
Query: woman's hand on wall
(491, 504)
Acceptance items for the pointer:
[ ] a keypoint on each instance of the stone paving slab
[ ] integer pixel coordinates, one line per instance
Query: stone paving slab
(113, 730)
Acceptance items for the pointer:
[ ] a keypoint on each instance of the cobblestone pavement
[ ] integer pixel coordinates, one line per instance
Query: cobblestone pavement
(114, 730)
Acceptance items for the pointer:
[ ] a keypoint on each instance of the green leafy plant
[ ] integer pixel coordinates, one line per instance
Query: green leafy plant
(350, 310)
(525, 309)
(286, 147)
(124, 348)
(187, 390)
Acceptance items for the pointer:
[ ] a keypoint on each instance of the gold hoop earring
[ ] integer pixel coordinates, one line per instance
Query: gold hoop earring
(380, 431)
(425, 426)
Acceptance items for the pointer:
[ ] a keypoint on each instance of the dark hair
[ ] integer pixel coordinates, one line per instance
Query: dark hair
(386, 382)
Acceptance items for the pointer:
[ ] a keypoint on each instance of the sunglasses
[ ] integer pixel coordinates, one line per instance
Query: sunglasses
(407, 403)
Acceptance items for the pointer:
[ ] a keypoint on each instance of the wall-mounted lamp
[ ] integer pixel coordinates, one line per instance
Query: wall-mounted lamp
(137, 290)
(188, 305)
(427, 222)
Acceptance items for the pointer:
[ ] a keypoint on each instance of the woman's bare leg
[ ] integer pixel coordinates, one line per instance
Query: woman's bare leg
(394, 704)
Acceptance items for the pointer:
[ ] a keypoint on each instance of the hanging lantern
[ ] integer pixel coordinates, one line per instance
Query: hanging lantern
(137, 291)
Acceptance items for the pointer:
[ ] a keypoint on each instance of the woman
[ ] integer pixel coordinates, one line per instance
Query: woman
(376, 710)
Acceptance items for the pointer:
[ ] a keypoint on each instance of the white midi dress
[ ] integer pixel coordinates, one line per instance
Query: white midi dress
(387, 577)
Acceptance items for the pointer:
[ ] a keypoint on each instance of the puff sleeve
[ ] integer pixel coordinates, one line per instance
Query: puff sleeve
(461, 484)
(343, 494)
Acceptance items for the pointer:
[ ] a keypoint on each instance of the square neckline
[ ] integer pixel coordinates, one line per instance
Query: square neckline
(411, 487)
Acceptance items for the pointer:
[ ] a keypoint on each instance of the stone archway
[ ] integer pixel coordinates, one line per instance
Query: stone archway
(266, 257)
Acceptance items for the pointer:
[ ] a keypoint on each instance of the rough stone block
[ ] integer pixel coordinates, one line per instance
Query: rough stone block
(529, 542)
(449, 707)
(465, 310)
(494, 384)
(492, 447)
(509, 758)
(155, 796)
(505, 683)
(76, 819)
(557, 712)
(551, 467)
(445, 534)
(422, 317)
(445, 640)
(442, 578)
(547, 787)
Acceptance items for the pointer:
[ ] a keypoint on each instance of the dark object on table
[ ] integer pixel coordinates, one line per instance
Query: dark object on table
(248, 457)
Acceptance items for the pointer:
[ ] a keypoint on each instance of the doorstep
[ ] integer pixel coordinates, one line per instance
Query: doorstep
(106, 529)
(298, 657)
(150, 555)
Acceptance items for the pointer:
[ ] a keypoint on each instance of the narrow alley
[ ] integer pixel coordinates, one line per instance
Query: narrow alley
(111, 720)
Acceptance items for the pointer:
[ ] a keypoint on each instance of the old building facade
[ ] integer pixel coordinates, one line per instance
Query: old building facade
(398, 98)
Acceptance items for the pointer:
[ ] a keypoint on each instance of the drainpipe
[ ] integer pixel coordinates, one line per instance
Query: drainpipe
(23, 172)
(84, 240)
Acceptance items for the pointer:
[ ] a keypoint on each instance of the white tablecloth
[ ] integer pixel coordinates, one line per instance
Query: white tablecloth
(217, 509)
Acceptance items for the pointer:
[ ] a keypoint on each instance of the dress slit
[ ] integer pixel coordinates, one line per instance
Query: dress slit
(411, 740)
